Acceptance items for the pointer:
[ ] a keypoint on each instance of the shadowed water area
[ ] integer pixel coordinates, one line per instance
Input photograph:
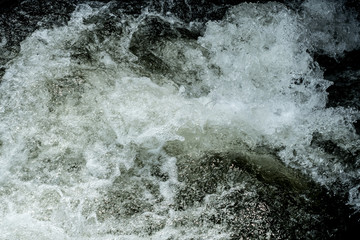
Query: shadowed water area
(179, 119)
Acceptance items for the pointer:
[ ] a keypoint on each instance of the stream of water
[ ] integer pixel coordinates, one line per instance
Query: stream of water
(128, 121)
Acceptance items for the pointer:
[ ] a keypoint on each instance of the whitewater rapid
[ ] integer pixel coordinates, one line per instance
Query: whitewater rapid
(120, 126)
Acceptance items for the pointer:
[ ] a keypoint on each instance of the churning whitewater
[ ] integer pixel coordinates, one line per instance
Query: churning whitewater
(146, 126)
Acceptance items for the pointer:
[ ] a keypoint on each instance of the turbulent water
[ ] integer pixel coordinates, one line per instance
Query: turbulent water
(137, 122)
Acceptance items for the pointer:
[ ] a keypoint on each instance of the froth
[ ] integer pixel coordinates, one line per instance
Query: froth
(331, 28)
(97, 124)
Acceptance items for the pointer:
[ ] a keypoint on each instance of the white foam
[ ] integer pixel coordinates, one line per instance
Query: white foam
(80, 125)
(23, 226)
(330, 27)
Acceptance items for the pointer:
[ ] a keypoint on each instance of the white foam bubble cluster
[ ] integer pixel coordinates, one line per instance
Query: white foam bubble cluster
(331, 27)
(83, 124)
(269, 84)
(259, 62)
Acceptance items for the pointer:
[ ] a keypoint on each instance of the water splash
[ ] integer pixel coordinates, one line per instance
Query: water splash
(136, 127)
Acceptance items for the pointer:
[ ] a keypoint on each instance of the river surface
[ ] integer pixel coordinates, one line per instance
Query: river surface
(179, 120)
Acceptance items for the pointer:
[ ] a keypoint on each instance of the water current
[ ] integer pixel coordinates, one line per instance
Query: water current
(178, 120)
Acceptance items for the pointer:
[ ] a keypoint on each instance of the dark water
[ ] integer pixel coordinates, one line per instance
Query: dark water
(179, 119)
